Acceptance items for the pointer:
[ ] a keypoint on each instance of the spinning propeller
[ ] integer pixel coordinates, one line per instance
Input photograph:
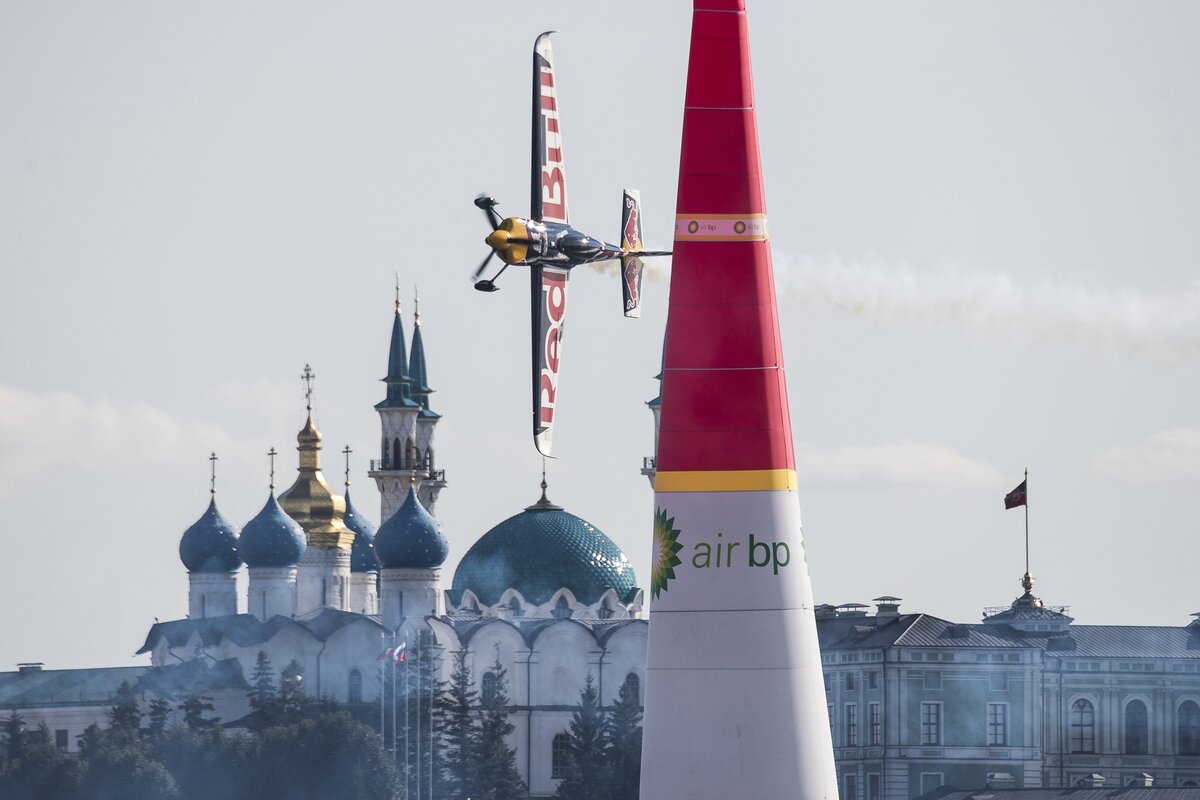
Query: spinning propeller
(500, 240)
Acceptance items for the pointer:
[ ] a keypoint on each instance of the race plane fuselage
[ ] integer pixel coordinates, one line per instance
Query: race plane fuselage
(526, 242)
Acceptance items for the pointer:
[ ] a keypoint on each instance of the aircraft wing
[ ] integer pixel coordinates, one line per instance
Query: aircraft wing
(548, 201)
(549, 306)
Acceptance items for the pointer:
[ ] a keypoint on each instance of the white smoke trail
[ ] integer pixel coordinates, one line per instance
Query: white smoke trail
(1122, 321)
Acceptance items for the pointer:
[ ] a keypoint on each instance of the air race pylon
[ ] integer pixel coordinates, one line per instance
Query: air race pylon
(735, 701)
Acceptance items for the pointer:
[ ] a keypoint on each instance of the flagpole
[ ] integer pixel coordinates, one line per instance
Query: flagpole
(407, 719)
(417, 754)
(1027, 520)
(393, 700)
(382, 687)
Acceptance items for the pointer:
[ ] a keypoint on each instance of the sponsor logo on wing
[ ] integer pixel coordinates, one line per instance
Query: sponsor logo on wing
(554, 305)
(554, 190)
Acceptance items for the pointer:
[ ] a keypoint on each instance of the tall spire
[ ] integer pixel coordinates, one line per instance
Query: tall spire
(726, 479)
(398, 379)
(416, 362)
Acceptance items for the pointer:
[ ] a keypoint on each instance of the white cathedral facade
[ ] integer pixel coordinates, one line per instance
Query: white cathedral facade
(544, 591)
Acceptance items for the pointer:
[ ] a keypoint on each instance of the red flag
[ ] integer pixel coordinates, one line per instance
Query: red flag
(1016, 497)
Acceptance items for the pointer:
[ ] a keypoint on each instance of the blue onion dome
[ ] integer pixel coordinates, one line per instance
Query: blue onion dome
(411, 538)
(210, 544)
(272, 538)
(362, 552)
(540, 551)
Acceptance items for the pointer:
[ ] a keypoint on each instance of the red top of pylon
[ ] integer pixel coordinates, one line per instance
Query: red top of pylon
(724, 398)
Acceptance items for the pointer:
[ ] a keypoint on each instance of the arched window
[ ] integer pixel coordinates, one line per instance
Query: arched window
(355, 694)
(562, 609)
(396, 462)
(1137, 728)
(1083, 727)
(487, 693)
(559, 753)
(429, 458)
(633, 686)
(383, 453)
(1189, 729)
(410, 452)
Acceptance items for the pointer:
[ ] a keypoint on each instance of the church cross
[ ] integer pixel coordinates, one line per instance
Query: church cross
(346, 451)
(271, 454)
(212, 489)
(308, 378)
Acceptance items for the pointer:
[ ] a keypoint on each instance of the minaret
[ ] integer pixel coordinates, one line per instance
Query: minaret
(271, 544)
(735, 701)
(209, 551)
(427, 419)
(400, 461)
(324, 576)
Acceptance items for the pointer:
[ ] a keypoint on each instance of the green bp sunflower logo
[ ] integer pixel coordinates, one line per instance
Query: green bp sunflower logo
(666, 545)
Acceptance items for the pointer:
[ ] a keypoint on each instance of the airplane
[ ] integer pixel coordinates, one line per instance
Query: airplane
(548, 244)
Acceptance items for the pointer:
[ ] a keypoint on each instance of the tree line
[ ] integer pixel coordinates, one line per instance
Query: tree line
(295, 747)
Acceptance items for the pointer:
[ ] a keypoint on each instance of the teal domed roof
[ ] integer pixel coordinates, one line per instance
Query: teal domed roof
(272, 538)
(411, 538)
(210, 544)
(540, 551)
(362, 552)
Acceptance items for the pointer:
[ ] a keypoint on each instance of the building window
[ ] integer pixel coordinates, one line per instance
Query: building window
(874, 724)
(848, 681)
(851, 726)
(355, 694)
(997, 724)
(850, 784)
(633, 686)
(1137, 728)
(832, 735)
(1083, 727)
(872, 680)
(559, 752)
(60, 739)
(931, 723)
(873, 786)
(1189, 729)
(828, 682)
(487, 691)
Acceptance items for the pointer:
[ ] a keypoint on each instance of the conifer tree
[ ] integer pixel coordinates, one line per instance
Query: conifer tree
(587, 774)
(157, 715)
(125, 717)
(623, 743)
(194, 709)
(457, 733)
(262, 683)
(497, 777)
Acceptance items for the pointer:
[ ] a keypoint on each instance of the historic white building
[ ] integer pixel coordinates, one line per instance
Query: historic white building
(544, 591)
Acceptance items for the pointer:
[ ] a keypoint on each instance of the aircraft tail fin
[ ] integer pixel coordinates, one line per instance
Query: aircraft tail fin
(631, 241)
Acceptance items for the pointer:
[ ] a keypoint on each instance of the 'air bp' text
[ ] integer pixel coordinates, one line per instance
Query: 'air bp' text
(753, 553)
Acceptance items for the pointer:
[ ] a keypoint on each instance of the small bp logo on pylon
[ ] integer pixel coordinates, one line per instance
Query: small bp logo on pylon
(666, 547)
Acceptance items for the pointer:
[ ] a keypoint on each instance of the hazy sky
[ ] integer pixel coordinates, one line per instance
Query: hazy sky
(984, 223)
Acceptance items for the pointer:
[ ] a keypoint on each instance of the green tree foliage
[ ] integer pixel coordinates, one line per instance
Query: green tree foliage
(157, 715)
(587, 775)
(455, 721)
(262, 683)
(194, 709)
(34, 769)
(496, 763)
(623, 744)
(125, 717)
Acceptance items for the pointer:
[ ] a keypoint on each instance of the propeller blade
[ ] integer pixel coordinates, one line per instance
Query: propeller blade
(482, 266)
(488, 204)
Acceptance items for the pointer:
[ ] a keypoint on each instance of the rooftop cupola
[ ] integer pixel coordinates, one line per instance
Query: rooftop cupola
(310, 501)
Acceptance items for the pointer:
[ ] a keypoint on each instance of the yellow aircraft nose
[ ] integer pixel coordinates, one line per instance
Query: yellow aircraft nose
(497, 239)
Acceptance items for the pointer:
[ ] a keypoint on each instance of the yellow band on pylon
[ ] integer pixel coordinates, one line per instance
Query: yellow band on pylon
(742, 480)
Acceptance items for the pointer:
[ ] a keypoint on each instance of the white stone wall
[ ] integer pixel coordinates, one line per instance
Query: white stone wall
(212, 594)
(364, 594)
(323, 580)
(271, 592)
(410, 594)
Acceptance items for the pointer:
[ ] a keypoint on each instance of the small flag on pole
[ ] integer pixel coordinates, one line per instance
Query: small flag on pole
(400, 653)
(1016, 497)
